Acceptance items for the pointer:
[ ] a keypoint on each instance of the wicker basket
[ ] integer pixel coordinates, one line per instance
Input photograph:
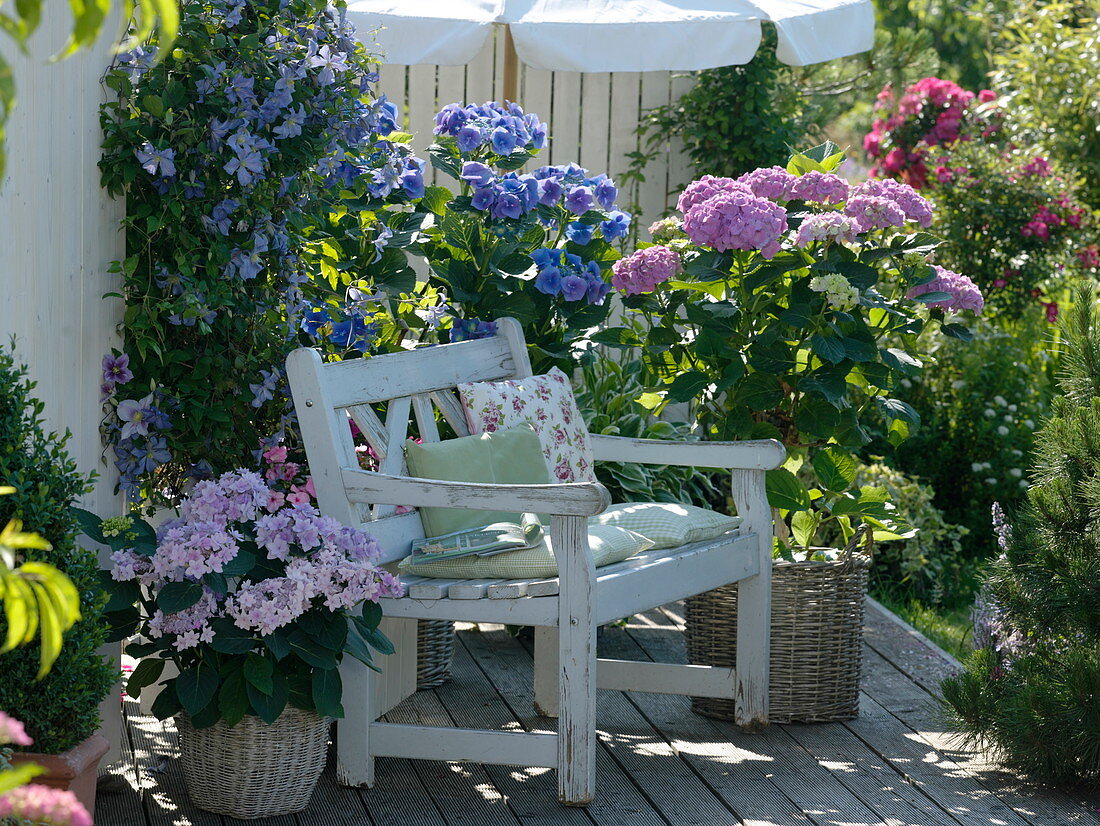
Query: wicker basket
(435, 647)
(253, 769)
(816, 640)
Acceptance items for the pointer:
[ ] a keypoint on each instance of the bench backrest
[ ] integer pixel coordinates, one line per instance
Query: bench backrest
(411, 384)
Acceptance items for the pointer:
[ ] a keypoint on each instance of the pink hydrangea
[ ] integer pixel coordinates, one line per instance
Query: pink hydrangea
(644, 270)
(870, 212)
(43, 805)
(12, 731)
(772, 182)
(965, 294)
(826, 226)
(706, 188)
(819, 187)
(191, 625)
(916, 207)
(737, 219)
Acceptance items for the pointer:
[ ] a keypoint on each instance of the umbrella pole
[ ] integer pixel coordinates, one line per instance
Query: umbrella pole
(511, 66)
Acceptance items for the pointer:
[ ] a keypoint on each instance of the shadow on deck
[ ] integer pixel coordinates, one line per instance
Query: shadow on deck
(658, 764)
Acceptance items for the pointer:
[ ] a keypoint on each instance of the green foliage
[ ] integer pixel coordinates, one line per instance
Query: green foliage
(1048, 74)
(963, 34)
(1032, 693)
(735, 118)
(607, 395)
(88, 21)
(62, 708)
(929, 564)
(1013, 223)
(249, 224)
(980, 403)
(38, 599)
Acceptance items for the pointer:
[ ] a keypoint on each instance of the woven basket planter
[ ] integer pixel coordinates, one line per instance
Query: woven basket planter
(254, 769)
(816, 641)
(435, 647)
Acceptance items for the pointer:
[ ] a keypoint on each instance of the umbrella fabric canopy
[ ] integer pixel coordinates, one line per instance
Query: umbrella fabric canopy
(616, 35)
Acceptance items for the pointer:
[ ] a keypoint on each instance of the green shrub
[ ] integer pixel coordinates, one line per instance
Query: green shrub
(979, 405)
(1048, 75)
(1032, 693)
(929, 565)
(62, 709)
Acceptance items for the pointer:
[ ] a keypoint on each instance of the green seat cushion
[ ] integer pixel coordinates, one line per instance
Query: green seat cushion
(512, 456)
(667, 525)
(608, 545)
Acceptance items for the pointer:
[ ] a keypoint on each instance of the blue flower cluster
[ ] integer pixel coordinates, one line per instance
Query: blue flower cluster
(137, 431)
(499, 129)
(565, 274)
(512, 195)
(466, 329)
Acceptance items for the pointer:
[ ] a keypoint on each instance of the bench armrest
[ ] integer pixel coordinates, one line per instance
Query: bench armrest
(567, 499)
(763, 454)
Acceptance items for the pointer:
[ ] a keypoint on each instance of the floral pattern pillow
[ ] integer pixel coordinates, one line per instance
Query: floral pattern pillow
(547, 403)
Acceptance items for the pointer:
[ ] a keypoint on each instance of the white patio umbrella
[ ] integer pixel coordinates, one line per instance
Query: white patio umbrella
(614, 35)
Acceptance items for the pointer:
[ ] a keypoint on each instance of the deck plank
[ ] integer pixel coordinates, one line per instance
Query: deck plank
(810, 789)
(509, 666)
(658, 764)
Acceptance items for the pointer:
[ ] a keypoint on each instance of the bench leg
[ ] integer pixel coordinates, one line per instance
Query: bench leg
(754, 604)
(354, 763)
(546, 671)
(576, 662)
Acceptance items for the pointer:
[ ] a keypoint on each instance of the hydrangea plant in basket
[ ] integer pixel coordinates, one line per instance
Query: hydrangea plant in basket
(255, 597)
(787, 304)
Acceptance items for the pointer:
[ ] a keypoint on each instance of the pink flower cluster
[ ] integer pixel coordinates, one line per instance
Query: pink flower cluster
(736, 219)
(705, 188)
(931, 112)
(43, 805)
(915, 207)
(772, 182)
(1045, 220)
(644, 270)
(280, 470)
(328, 563)
(13, 732)
(965, 294)
(191, 625)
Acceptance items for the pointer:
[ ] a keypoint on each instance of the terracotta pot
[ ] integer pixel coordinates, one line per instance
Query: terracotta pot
(74, 769)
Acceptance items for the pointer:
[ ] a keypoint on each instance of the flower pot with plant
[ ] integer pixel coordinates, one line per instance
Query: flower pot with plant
(787, 304)
(59, 706)
(255, 598)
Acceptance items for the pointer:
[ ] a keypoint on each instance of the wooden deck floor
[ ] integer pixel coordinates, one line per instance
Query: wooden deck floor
(658, 763)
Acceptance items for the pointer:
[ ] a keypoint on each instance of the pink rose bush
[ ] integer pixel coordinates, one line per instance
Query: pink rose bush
(916, 129)
(250, 575)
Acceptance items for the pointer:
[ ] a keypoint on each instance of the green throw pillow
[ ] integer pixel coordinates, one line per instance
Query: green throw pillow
(667, 525)
(512, 456)
(608, 545)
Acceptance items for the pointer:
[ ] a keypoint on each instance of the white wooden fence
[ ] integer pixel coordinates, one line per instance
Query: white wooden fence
(593, 117)
(58, 234)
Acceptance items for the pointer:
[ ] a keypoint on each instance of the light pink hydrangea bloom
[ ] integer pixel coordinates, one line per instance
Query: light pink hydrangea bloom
(43, 805)
(737, 219)
(965, 294)
(642, 271)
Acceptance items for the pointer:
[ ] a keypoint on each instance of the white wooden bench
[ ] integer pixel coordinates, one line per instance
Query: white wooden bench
(565, 610)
